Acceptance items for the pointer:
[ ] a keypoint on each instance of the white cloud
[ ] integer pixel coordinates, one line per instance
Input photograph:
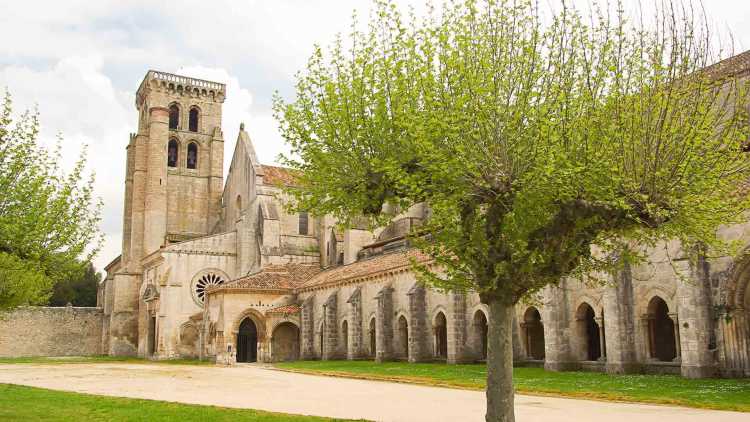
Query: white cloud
(82, 61)
(75, 99)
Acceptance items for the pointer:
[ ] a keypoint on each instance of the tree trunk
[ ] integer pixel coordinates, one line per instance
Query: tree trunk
(500, 363)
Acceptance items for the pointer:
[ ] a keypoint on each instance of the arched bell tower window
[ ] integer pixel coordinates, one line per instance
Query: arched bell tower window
(303, 220)
(173, 151)
(193, 120)
(192, 155)
(174, 116)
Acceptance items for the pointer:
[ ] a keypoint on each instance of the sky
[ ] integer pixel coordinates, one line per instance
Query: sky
(80, 62)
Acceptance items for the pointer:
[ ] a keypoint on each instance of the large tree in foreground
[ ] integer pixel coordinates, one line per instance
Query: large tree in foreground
(48, 218)
(543, 143)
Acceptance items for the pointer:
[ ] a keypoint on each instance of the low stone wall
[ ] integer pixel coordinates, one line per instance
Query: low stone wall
(46, 331)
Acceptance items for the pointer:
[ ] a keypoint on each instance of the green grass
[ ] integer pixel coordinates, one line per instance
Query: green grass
(723, 394)
(19, 403)
(100, 359)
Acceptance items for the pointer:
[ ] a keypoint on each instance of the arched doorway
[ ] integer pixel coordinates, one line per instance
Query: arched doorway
(661, 331)
(588, 331)
(480, 334)
(284, 342)
(403, 338)
(534, 333)
(247, 341)
(441, 336)
(372, 337)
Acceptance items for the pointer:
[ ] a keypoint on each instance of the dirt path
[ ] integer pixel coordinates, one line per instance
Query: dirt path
(257, 387)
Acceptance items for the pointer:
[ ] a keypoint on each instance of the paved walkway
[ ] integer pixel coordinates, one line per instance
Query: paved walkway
(255, 387)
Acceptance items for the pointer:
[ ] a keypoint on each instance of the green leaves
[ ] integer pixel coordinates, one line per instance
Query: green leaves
(48, 219)
(531, 139)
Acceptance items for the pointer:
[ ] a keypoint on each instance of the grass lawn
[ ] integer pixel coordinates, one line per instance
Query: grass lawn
(100, 359)
(19, 403)
(724, 394)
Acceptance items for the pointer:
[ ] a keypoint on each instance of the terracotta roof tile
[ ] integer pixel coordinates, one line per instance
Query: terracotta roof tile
(275, 176)
(730, 67)
(286, 309)
(366, 267)
(273, 277)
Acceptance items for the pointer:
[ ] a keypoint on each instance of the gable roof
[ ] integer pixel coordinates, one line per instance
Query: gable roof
(735, 66)
(274, 176)
(273, 278)
(365, 268)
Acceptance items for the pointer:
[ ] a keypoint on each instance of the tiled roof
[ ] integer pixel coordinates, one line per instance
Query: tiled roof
(286, 309)
(275, 176)
(730, 67)
(273, 277)
(366, 267)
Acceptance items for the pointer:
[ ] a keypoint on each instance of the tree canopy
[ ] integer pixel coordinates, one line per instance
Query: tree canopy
(546, 144)
(48, 218)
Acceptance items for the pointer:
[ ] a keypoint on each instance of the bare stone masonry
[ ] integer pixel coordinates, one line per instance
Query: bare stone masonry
(39, 331)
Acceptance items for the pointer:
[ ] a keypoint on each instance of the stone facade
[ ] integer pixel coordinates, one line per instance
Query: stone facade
(233, 276)
(39, 331)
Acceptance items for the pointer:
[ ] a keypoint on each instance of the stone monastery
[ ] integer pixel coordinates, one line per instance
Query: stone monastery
(226, 273)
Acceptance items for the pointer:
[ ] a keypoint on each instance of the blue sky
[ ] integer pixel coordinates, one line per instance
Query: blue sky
(81, 62)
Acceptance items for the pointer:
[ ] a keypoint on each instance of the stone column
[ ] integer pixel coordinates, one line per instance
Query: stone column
(457, 329)
(355, 325)
(518, 352)
(676, 321)
(418, 332)
(384, 321)
(330, 330)
(556, 315)
(694, 308)
(308, 329)
(156, 185)
(132, 260)
(602, 339)
(619, 324)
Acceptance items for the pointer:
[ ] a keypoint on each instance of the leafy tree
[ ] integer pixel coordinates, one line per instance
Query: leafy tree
(48, 219)
(546, 144)
(79, 290)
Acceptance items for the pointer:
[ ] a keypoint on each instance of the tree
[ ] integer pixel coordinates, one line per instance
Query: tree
(546, 145)
(48, 219)
(79, 290)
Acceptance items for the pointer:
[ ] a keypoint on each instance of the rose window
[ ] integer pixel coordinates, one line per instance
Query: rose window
(203, 283)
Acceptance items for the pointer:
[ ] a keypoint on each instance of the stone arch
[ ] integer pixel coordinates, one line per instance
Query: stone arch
(258, 319)
(402, 336)
(247, 341)
(285, 340)
(661, 331)
(174, 116)
(191, 159)
(479, 329)
(189, 339)
(344, 336)
(372, 331)
(734, 324)
(173, 152)
(194, 118)
(532, 330)
(440, 329)
(664, 294)
(587, 333)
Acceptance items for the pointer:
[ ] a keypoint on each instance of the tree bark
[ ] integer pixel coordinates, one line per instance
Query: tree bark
(500, 363)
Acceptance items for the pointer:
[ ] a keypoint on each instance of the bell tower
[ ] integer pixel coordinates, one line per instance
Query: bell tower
(174, 176)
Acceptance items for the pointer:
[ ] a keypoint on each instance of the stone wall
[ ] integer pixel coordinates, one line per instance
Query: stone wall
(41, 331)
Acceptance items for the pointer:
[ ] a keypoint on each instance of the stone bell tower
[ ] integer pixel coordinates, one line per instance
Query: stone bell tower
(174, 176)
(173, 184)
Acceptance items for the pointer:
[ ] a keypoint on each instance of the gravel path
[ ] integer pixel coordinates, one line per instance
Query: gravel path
(256, 387)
